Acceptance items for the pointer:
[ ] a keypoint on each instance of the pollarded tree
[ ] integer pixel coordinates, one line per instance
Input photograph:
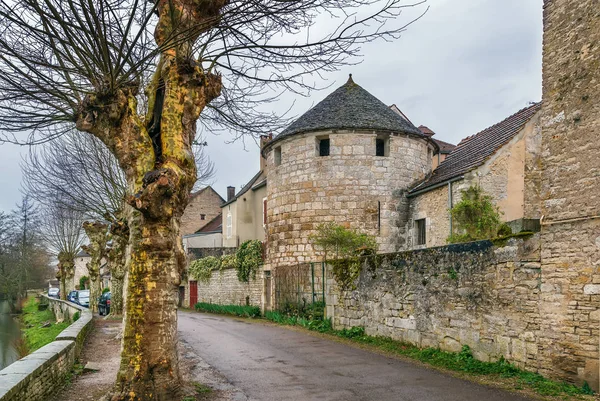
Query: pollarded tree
(97, 234)
(83, 63)
(77, 175)
(62, 232)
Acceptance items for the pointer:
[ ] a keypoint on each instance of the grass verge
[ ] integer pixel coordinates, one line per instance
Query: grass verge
(233, 310)
(33, 319)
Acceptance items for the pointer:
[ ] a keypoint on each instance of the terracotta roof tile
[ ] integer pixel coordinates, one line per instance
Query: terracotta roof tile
(474, 150)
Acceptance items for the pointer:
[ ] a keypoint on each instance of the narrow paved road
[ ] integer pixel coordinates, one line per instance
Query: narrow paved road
(273, 363)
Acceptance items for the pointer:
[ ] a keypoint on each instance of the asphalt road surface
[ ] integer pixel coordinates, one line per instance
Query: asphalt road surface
(266, 362)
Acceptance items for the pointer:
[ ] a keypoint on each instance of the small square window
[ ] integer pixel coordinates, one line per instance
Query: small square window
(278, 156)
(382, 146)
(324, 146)
(202, 217)
(421, 232)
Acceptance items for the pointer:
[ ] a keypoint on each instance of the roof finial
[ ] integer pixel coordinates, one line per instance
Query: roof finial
(350, 81)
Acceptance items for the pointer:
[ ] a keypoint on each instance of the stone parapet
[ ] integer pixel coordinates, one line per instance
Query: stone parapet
(38, 375)
(479, 294)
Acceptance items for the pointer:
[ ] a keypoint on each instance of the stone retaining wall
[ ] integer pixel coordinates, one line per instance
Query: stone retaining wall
(475, 294)
(38, 375)
(224, 288)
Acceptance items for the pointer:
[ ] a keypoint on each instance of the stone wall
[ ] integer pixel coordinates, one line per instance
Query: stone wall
(570, 200)
(351, 186)
(205, 202)
(37, 376)
(475, 294)
(224, 288)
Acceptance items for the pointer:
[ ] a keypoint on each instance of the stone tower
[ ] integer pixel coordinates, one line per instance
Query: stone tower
(341, 161)
(570, 191)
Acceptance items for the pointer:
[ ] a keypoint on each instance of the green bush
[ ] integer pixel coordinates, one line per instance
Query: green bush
(504, 230)
(84, 282)
(475, 217)
(234, 310)
(105, 290)
(76, 316)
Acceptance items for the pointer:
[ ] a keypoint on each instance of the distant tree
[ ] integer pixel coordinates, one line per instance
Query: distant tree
(24, 261)
(475, 217)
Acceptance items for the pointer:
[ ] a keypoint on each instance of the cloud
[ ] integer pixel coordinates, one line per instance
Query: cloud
(461, 68)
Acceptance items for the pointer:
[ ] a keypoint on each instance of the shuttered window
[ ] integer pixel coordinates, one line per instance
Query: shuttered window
(420, 231)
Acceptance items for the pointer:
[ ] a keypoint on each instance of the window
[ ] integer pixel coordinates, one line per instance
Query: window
(323, 146)
(202, 217)
(229, 225)
(382, 146)
(420, 230)
(264, 212)
(278, 155)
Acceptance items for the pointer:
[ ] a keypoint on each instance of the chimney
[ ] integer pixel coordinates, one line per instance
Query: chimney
(264, 139)
(230, 193)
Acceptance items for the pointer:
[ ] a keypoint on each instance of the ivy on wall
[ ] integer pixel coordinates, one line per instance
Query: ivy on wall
(247, 260)
(201, 269)
(343, 249)
(249, 257)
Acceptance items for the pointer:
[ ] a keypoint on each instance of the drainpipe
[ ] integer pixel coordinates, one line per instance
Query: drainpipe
(450, 204)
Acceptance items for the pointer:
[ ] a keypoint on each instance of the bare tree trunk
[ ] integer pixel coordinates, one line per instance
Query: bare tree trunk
(150, 336)
(117, 259)
(97, 233)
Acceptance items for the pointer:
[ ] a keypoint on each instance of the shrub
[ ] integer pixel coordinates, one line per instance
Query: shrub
(504, 230)
(234, 310)
(346, 245)
(84, 282)
(76, 316)
(475, 217)
(105, 290)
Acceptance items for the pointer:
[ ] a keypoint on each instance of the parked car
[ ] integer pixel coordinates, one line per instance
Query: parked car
(104, 304)
(83, 298)
(72, 296)
(54, 292)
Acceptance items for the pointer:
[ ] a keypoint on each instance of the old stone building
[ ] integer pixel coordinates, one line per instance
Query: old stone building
(203, 207)
(343, 161)
(495, 159)
(567, 180)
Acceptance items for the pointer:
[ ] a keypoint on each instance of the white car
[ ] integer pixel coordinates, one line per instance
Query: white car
(54, 292)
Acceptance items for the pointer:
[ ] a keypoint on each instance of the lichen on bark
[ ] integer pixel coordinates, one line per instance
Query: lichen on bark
(155, 153)
(97, 233)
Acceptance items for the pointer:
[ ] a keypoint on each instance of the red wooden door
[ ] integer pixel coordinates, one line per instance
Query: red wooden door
(193, 293)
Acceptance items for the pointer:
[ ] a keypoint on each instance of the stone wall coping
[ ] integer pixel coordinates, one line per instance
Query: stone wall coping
(20, 374)
(17, 375)
(75, 329)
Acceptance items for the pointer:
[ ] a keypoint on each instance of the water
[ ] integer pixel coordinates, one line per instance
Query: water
(9, 334)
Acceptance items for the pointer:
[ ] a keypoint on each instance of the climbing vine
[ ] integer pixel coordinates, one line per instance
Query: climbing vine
(201, 269)
(249, 257)
(348, 247)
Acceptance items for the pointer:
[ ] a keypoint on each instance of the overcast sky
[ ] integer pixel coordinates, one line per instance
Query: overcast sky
(464, 66)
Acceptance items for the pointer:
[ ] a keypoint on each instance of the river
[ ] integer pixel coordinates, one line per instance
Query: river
(9, 335)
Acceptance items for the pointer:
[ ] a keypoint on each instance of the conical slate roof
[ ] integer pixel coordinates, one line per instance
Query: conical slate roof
(350, 107)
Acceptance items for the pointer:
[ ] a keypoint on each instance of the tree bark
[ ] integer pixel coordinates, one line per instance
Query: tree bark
(97, 233)
(156, 155)
(117, 258)
(66, 267)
